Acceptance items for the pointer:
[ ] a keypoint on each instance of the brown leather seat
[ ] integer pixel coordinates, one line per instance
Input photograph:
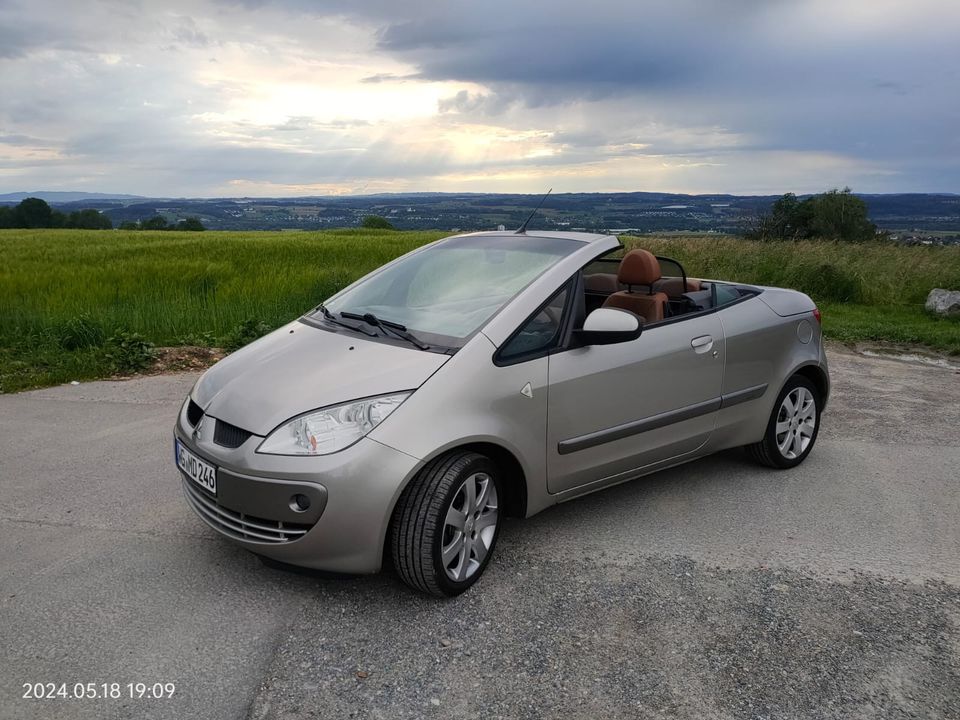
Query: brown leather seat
(639, 268)
(673, 286)
(601, 283)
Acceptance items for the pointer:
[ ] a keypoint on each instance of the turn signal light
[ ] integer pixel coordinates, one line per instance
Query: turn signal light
(816, 314)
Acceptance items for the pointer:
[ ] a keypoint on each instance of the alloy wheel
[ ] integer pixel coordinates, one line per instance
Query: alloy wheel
(796, 423)
(470, 527)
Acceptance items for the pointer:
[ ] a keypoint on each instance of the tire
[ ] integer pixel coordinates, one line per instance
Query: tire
(790, 447)
(428, 519)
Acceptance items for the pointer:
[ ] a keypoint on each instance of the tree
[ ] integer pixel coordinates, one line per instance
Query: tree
(129, 225)
(190, 223)
(36, 213)
(833, 215)
(33, 213)
(788, 218)
(840, 215)
(375, 222)
(88, 220)
(157, 222)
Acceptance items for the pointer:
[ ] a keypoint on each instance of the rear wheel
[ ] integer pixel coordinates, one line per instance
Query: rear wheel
(793, 426)
(446, 523)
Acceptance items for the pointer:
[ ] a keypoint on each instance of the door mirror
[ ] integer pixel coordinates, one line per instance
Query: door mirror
(607, 326)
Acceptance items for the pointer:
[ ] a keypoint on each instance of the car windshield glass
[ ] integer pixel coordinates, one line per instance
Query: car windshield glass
(447, 291)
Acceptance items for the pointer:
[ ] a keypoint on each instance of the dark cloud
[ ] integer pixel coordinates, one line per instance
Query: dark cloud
(20, 36)
(13, 43)
(797, 76)
(865, 88)
(467, 102)
(388, 77)
(187, 33)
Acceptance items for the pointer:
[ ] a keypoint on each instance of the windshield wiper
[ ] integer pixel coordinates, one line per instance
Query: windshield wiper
(386, 326)
(330, 318)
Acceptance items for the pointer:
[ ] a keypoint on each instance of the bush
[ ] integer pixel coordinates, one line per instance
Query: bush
(157, 222)
(88, 220)
(198, 339)
(375, 222)
(245, 333)
(128, 352)
(190, 224)
(80, 332)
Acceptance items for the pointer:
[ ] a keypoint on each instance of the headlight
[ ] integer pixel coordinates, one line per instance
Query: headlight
(331, 429)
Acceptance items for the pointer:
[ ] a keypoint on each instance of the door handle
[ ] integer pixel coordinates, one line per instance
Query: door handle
(702, 344)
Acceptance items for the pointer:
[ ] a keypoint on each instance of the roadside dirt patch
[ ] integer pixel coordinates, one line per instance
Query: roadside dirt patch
(179, 359)
(892, 400)
(190, 357)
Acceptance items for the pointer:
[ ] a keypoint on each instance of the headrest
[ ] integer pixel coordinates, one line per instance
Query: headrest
(673, 286)
(638, 267)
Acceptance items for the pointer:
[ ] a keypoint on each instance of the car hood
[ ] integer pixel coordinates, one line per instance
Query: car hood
(299, 368)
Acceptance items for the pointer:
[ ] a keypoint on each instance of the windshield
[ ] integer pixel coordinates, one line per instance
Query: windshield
(446, 292)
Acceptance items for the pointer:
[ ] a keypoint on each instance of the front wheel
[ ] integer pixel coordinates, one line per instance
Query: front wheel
(793, 426)
(446, 523)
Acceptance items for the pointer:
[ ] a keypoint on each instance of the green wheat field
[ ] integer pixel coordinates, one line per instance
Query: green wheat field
(70, 298)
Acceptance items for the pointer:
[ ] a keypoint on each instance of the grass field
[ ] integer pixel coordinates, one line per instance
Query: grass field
(65, 293)
(872, 292)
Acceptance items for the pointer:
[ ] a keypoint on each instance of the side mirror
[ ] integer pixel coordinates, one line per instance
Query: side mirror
(607, 326)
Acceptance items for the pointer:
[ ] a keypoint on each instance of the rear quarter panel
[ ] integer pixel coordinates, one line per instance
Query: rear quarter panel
(763, 348)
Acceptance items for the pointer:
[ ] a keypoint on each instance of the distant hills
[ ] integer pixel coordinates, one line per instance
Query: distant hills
(636, 211)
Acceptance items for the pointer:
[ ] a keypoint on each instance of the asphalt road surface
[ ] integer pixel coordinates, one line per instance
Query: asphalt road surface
(714, 590)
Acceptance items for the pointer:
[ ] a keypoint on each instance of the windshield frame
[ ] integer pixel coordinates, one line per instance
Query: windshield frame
(437, 342)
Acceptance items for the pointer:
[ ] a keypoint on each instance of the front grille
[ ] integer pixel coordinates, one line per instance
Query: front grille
(238, 525)
(229, 435)
(194, 413)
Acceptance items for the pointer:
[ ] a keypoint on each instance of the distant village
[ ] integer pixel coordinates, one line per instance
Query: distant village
(919, 237)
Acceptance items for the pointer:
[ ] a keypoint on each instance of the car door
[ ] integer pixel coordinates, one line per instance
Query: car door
(613, 409)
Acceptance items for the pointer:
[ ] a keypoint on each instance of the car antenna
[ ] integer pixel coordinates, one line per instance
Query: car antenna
(522, 230)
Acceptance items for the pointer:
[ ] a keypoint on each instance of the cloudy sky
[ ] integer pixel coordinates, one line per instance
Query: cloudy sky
(301, 97)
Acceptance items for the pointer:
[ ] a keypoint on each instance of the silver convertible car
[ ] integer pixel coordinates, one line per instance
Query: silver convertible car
(489, 375)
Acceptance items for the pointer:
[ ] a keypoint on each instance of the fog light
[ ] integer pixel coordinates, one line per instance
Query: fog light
(299, 503)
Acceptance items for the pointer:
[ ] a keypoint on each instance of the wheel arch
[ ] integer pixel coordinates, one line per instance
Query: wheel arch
(514, 487)
(816, 375)
(515, 479)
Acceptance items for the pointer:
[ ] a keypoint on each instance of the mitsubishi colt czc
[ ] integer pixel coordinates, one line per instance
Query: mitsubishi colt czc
(486, 375)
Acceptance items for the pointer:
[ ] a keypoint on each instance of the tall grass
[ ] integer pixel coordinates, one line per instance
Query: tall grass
(63, 292)
(868, 292)
(878, 274)
(170, 285)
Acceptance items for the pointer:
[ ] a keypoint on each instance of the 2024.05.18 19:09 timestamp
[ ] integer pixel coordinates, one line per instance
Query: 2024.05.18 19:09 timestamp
(98, 691)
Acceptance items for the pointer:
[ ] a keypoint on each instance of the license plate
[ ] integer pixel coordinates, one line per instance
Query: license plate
(202, 473)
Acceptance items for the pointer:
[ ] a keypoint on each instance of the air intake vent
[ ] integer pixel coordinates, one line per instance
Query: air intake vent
(237, 525)
(229, 435)
(194, 413)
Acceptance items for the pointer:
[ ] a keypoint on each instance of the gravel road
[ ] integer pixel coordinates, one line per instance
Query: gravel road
(713, 590)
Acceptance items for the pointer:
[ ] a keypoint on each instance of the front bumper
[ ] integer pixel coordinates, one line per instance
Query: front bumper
(351, 497)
